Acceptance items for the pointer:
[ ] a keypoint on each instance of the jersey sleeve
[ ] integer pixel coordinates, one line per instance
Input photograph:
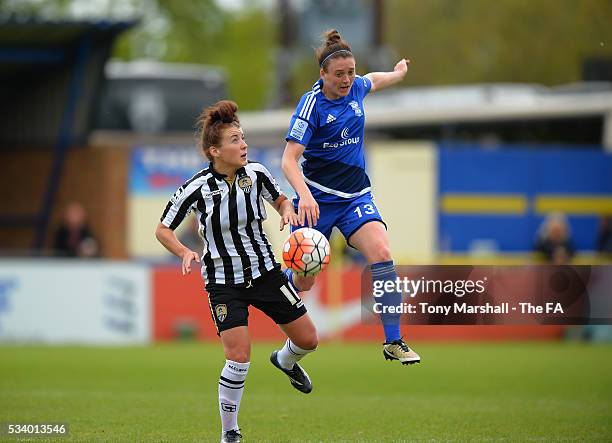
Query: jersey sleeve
(270, 190)
(304, 120)
(362, 86)
(180, 205)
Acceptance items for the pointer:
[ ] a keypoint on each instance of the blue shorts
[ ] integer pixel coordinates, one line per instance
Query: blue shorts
(348, 216)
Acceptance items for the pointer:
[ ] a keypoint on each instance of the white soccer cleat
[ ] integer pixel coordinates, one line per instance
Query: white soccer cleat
(398, 350)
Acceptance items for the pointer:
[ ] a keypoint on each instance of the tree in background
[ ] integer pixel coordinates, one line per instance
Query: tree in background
(184, 31)
(241, 41)
(475, 41)
(449, 41)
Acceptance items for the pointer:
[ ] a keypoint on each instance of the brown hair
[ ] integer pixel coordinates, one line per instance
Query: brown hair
(331, 42)
(212, 121)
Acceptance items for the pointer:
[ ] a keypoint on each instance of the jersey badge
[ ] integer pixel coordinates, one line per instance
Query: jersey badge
(221, 311)
(356, 108)
(245, 183)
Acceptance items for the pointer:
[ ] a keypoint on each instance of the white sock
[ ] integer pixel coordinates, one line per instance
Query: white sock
(291, 354)
(231, 387)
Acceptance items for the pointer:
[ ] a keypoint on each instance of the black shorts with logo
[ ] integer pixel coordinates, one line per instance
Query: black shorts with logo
(270, 293)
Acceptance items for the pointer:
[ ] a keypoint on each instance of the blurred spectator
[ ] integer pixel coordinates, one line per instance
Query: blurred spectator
(554, 240)
(73, 237)
(604, 237)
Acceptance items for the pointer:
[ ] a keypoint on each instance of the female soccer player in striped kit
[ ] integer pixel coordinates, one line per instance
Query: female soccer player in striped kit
(333, 188)
(238, 265)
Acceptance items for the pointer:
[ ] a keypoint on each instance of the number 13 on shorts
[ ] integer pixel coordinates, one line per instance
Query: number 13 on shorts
(368, 209)
(359, 212)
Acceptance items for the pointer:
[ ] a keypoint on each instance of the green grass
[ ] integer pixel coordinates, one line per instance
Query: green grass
(479, 392)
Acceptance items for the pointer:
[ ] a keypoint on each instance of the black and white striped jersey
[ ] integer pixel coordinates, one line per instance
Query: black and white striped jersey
(236, 249)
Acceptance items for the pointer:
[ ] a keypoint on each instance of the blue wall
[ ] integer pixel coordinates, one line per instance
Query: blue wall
(524, 171)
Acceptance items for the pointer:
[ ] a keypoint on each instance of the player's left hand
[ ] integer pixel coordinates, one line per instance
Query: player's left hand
(402, 67)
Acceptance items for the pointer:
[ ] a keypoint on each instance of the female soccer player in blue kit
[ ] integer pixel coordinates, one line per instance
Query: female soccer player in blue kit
(333, 189)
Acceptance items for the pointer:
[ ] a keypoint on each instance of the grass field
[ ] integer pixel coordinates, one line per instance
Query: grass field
(478, 392)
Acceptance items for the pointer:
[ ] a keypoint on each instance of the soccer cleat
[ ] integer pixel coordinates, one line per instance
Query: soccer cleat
(232, 436)
(398, 350)
(298, 377)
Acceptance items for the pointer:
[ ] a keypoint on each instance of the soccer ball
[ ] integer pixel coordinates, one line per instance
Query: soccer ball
(306, 252)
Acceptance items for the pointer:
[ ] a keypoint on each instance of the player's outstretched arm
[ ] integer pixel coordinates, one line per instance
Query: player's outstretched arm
(308, 209)
(167, 237)
(382, 80)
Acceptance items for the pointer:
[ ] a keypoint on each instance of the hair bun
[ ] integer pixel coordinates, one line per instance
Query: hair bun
(331, 41)
(332, 37)
(224, 111)
(211, 122)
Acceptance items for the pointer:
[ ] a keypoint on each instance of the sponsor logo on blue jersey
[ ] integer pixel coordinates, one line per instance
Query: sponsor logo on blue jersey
(345, 140)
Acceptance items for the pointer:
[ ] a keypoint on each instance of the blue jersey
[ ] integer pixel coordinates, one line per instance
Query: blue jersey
(332, 133)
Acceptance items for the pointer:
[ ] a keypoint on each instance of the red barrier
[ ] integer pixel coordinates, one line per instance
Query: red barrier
(181, 304)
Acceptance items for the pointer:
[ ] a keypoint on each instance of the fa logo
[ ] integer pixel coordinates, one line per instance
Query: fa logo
(299, 129)
(356, 108)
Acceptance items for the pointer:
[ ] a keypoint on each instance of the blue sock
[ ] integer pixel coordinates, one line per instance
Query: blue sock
(383, 272)
(289, 275)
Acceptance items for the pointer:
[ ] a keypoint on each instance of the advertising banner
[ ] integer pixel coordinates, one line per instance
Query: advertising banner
(72, 301)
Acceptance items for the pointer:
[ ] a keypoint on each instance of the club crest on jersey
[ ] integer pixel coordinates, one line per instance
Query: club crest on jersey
(245, 183)
(356, 108)
(221, 311)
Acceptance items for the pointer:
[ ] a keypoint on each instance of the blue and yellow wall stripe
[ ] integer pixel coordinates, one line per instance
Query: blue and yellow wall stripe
(501, 196)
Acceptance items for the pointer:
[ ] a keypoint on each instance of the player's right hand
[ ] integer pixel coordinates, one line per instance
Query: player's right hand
(308, 211)
(188, 257)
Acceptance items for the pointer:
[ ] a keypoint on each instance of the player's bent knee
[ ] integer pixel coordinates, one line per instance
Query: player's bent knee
(239, 356)
(314, 343)
(385, 253)
(380, 253)
(310, 339)
(309, 342)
